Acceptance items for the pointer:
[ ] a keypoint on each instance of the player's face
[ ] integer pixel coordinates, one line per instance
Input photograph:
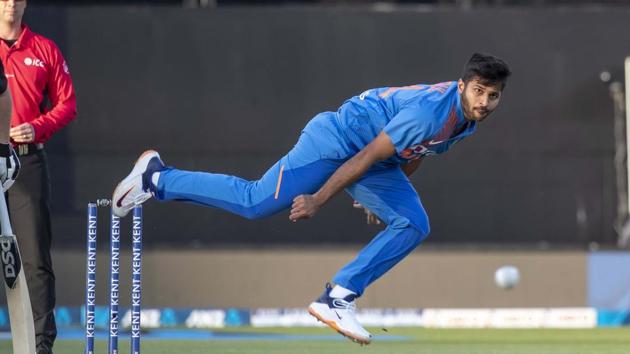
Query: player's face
(11, 11)
(478, 100)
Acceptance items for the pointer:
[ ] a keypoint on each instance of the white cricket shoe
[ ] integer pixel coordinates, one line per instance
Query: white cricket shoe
(339, 314)
(135, 188)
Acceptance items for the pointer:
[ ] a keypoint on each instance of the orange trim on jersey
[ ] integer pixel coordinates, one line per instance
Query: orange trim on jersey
(391, 90)
(279, 182)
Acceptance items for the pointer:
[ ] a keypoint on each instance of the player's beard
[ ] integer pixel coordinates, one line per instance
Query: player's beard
(469, 111)
(465, 104)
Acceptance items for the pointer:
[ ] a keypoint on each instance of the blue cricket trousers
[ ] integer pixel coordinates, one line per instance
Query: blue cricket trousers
(320, 150)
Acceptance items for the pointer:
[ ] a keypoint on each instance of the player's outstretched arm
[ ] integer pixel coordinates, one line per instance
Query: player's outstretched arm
(306, 205)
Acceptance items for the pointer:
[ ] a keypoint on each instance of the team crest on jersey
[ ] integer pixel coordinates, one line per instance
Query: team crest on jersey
(416, 151)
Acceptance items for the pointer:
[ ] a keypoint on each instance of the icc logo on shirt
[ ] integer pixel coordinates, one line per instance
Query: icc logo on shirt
(33, 62)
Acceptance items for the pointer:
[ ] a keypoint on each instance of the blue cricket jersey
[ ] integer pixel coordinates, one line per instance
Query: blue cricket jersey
(419, 119)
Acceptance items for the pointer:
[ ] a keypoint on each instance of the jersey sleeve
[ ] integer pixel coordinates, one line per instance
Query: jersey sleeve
(409, 127)
(61, 94)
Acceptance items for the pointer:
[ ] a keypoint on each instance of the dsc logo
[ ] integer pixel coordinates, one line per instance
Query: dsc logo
(33, 62)
(8, 258)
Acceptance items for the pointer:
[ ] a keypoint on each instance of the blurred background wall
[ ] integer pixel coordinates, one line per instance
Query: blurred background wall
(222, 87)
(228, 89)
(248, 278)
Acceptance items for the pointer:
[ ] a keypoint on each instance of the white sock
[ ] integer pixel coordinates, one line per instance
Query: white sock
(340, 292)
(154, 178)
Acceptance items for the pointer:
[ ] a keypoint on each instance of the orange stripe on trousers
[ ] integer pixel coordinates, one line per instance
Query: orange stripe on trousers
(279, 182)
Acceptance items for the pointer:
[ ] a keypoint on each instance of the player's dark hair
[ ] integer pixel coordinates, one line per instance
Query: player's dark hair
(489, 69)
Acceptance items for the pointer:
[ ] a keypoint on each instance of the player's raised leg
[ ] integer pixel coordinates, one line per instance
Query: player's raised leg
(317, 154)
(254, 199)
(389, 194)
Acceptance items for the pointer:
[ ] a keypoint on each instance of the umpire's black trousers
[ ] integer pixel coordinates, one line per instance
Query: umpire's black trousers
(29, 207)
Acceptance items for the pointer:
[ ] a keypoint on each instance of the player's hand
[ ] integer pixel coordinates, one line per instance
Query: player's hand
(304, 207)
(23, 133)
(370, 217)
(9, 166)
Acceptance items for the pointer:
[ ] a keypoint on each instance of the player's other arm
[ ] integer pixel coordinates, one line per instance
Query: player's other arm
(381, 148)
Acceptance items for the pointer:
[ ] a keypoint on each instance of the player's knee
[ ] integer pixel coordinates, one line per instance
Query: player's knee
(420, 222)
(418, 234)
(422, 225)
(255, 213)
(251, 214)
(421, 234)
(418, 227)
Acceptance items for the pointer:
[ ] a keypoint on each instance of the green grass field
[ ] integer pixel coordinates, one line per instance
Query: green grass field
(424, 341)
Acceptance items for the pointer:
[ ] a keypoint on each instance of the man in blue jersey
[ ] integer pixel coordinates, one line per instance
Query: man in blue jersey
(368, 147)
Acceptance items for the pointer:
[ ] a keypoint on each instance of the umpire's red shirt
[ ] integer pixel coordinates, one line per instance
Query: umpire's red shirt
(36, 70)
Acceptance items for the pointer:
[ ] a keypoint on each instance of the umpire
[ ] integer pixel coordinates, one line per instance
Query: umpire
(43, 102)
